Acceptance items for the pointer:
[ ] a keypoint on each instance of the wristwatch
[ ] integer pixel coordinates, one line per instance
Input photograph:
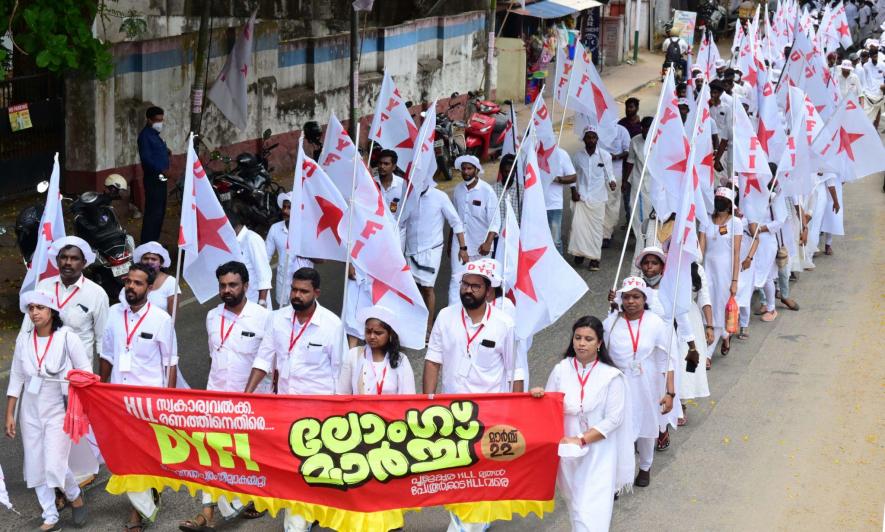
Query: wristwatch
(672, 395)
(463, 248)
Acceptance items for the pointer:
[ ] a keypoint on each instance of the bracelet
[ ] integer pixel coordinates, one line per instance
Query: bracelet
(708, 327)
(463, 248)
(672, 395)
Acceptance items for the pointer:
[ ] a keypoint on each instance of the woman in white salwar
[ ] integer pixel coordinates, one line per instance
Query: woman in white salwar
(378, 367)
(720, 246)
(637, 342)
(597, 459)
(41, 359)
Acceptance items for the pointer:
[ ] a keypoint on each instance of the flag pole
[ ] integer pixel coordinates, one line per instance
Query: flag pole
(349, 245)
(568, 90)
(412, 173)
(649, 140)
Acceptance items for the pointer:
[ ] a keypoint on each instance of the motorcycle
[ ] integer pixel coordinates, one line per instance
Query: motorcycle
(448, 141)
(248, 189)
(487, 128)
(95, 222)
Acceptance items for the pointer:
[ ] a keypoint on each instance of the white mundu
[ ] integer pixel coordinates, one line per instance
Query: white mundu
(423, 221)
(594, 176)
(588, 482)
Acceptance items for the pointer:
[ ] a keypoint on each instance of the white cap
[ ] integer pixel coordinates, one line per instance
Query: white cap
(492, 265)
(719, 63)
(630, 284)
(846, 65)
(589, 128)
(154, 248)
(870, 43)
(696, 68)
(76, 241)
(682, 101)
(379, 313)
(725, 192)
(36, 297)
(482, 268)
(650, 250)
(469, 159)
(283, 196)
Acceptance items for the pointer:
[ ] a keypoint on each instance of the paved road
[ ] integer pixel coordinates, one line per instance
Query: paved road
(794, 425)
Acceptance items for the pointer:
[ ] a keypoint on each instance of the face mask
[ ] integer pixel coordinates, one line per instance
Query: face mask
(158, 126)
(721, 204)
(653, 280)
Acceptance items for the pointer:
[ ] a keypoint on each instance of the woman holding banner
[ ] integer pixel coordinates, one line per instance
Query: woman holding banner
(378, 367)
(40, 360)
(597, 461)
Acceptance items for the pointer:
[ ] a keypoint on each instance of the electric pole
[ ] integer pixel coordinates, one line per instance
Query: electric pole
(490, 45)
(200, 62)
(354, 73)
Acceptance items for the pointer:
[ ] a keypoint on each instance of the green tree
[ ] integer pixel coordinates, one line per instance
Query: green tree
(57, 34)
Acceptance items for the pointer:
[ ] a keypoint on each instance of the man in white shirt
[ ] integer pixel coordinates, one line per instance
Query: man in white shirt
(472, 344)
(303, 342)
(390, 184)
(235, 329)
(82, 303)
(849, 85)
(593, 166)
(874, 82)
(477, 207)
(562, 172)
(615, 141)
(423, 220)
(254, 252)
(138, 348)
(722, 116)
(630, 181)
(277, 242)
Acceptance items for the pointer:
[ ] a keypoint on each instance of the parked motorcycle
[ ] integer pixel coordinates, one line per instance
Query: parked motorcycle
(247, 188)
(95, 222)
(487, 128)
(449, 142)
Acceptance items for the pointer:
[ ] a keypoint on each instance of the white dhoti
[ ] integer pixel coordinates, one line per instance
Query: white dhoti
(586, 234)
(872, 107)
(425, 265)
(144, 503)
(612, 211)
(832, 222)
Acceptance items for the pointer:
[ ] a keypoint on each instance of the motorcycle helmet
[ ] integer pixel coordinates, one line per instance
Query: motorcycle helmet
(247, 160)
(313, 133)
(27, 225)
(117, 181)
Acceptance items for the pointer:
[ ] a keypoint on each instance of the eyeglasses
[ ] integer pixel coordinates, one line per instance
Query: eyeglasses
(473, 287)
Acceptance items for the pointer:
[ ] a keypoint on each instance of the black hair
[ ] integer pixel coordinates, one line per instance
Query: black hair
(594, 323)
(716, 85)
(507, 160)
(389, 154)
(307, 274)
(235, 267)
(696, 283)
(392, 348)
(233, 217)
(631, 100)
(151, 274)
(647, 121)
(153, 111)
(57, 323)
(69, 246)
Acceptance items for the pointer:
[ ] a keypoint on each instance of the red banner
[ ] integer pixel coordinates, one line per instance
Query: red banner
(349, 462)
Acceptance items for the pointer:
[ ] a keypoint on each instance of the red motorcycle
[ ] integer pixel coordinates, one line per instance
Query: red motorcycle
(487, 128)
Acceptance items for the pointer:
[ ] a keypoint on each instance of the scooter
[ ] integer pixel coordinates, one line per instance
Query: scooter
(487, 128)
(449, 142)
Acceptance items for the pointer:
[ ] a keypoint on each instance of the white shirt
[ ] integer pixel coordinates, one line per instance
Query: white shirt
(873, 79)
(683, 46)
(490, 364)
(86, 312)
(617, 142)
(152, 349)
(861, 74)
(424, 218)
(722, 117)
(849, 86)
(392, 196)
(276, 242)
(312, 365)
(594, 174)
(360, 375)
(232, 357)
(477, 208)
(257, 264)
(560, 166)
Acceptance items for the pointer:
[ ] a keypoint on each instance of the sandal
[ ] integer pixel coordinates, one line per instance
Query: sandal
(663, 442)
(828, 250)
(249, 512)
(709, 364)
(790, 304)
(743, 335)
(140, 526)
(725, 348)
(197, 524)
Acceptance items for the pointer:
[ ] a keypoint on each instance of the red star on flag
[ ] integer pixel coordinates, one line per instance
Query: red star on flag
(843, 30)
(50, 271)
(764, 135)
(379, 288)
(751, 78)
(410, 141)
(527, 260)
(544, 156)
(752, 181)
(681, 165)
(846, 139)
(331, 217)
(47, 231)
(708, 161)
(599, 102)
(208, 232)
(244, 70)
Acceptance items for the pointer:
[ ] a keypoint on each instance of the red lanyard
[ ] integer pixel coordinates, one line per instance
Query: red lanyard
(45, 350)
(59, 302)
(470, 339)
(583, 381)
(223, 334)
(129, 335)
(635, 339)
(379, 385)
(293, 339)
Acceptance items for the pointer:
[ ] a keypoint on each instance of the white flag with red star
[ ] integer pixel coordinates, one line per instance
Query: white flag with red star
(668, 157)
(849, 144)
(420, 176)
(316, 226)
(392, 125)
(562, 74)
(229, 92)
(205, 234)
(770, 130)
(546, 286)
(707, 56)
(587, 94)
(52, 227)
(510, 239)
(546, 140)
(702, 157)
(751, 166)
(337, 160)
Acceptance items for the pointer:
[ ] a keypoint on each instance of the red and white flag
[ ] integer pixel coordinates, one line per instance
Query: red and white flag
(546, 286)
(510, 261)
(668, 156)
(849, 144)
(795, 164)
(563, 73)
(392, 125)
(546, 138)
(52, 227)
(707, 56)
(205, 234)
(420, 176)
(316, 226)
(587, 94)
(229, 92)
(751, 167)
(337, 160)
(703, 154)
(770, 130)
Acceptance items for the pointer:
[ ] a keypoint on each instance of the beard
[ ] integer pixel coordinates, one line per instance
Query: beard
(471, 302)
(233, 300)
(132, 298)
(299, 305)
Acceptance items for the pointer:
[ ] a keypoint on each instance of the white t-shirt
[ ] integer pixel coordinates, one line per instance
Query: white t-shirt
(553, 191)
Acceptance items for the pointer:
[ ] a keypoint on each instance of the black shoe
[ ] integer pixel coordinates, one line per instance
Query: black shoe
(578, 260)
(606, 243)
(593, 265)
(643, 479)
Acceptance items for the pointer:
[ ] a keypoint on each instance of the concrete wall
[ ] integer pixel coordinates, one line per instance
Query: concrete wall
(294, 81)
